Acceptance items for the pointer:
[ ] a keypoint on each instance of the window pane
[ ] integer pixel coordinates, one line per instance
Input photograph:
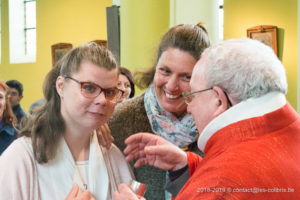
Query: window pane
(31, 42)
(30, 15)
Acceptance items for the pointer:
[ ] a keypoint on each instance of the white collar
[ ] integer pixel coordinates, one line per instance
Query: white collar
(249, 108)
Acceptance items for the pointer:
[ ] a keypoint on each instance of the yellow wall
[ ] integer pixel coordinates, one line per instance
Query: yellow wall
(71, 21)
(240, 15)
(142, 24)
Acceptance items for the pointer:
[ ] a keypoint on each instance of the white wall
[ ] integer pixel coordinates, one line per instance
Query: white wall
(194, 11)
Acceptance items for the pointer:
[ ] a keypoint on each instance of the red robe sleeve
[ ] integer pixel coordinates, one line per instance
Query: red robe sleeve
(193, 162)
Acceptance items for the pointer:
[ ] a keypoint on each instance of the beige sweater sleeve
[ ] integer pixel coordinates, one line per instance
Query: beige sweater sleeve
(18, 175)
(118, 169)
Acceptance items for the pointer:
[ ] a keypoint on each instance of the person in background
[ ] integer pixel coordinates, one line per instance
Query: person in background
(249, 132)
(35, 105)
(126, 84)
(59, 146)
(7, 119)
(15, 95)
(161, 109)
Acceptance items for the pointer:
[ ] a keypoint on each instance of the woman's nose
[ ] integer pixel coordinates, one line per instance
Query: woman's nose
(172, 83)
(123, 88)
(101, 99)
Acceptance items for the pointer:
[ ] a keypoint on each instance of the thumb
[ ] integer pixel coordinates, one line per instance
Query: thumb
(73, 193)
(86, 195)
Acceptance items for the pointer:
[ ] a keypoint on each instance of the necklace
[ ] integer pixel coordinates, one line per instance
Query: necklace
(82, 170)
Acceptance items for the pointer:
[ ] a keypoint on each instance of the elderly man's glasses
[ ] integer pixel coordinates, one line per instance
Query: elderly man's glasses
(188, 96)
(92, 90)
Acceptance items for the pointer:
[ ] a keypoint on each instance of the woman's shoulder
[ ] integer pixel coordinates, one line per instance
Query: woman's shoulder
(20, 149)
(130, 104)
(18, 169)
(129, 108)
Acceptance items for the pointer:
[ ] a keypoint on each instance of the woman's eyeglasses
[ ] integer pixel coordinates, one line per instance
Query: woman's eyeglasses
(91, 90)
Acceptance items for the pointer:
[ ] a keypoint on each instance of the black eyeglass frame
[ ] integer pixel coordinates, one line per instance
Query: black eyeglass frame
(115, 99)
(186, 94)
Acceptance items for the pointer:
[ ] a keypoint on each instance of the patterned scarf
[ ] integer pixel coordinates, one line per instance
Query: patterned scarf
(180, 132)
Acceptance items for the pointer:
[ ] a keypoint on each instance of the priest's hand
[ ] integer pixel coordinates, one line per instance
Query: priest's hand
(150, 149)
(73, 194)
(104, 136)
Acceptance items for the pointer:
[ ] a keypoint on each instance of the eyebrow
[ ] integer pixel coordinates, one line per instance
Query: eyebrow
(183, 73)
(91, 82)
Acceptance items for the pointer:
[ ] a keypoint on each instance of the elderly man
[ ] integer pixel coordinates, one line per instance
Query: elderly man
(249, 132)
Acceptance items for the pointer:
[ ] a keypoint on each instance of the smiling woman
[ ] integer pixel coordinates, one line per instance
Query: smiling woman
(59, 146)
(161, 110)
(7, 119)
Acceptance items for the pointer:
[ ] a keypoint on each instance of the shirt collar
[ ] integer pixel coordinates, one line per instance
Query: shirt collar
(8, 129)
(249, 108)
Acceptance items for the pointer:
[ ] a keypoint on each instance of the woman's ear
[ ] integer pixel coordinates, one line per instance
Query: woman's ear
(60, 85)
(221, 100)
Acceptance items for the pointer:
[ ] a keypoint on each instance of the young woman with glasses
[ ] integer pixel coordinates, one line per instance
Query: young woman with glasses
(59, 147)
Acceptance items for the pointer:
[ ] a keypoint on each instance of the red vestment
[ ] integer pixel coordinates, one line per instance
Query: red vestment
(253, 159)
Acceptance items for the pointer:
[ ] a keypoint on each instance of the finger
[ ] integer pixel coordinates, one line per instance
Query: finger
(134, 147)
(122, 187)
(85, 195)
(107, 135)
(103, 133)
(155, 150)
(106, 128)
(100, 137)
(135, 154)
(140, 162)
(161, 150)
(73, 193)
(116, 195)
(137, 138)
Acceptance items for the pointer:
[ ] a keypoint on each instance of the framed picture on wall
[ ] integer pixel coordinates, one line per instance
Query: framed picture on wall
(266, 34)
(58, 50)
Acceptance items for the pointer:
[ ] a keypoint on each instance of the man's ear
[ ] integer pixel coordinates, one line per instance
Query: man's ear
(60, 85)
(221, 100)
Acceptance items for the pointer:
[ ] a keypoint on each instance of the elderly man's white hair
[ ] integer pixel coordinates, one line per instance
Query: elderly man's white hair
(244, 68)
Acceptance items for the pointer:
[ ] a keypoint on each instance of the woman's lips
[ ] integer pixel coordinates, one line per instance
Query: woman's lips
(172, 96)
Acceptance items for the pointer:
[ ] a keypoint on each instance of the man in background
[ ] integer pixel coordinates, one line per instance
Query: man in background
(15, 94)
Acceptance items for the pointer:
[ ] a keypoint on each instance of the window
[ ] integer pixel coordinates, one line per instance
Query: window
(22, 31)
(221, 20)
